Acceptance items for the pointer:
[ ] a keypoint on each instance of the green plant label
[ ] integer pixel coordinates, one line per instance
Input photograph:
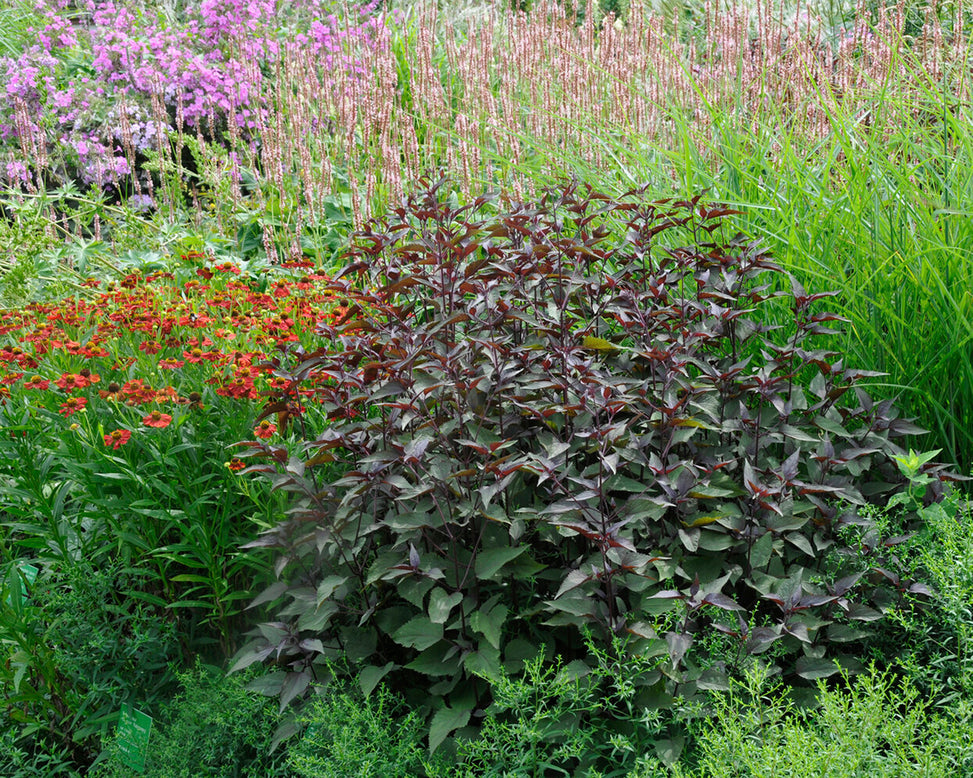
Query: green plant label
(29, 572)
(134, 728)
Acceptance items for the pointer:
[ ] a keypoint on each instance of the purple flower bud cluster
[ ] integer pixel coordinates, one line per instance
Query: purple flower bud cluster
(96, 58)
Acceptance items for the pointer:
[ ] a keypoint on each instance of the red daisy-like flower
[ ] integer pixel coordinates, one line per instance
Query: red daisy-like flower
(236, 465)
(69, 381)
(117, 438)
(157, 419)
(170, 364)
(73, 405)
(36, 382)
(265, 429)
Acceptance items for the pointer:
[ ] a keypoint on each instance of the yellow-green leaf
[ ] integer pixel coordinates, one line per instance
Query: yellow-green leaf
(598, 344)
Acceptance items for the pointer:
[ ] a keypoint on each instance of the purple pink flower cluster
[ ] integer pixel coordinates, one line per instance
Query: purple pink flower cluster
(96, 67)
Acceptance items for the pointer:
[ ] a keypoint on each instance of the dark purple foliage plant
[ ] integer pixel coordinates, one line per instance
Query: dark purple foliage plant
(569, 419)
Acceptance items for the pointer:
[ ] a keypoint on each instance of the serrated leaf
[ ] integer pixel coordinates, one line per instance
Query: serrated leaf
(441, 603)
(678, 644)
(489, 562)
(811, 668)
(720, 600)
(844, 633)
(371, 676)
(829, 425)
(269, 594)
(490, 623)
(713, 679)
(294, 685)
(419, 633)
(485, 662)
(403, 522)
(444, 721)
(761, 551)
(433, 662)
(316, 619)
(250, 655)
(710, 540)
(690, 539)
(571, 581)
(622, 483)
(801, 542)
(328, 585)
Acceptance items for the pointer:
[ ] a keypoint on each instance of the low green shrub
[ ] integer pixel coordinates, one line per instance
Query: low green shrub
(346, 733)
(931, 639)
(36, 756)
(74, 645)
(871, 726)
(563, 720)
(215, 727)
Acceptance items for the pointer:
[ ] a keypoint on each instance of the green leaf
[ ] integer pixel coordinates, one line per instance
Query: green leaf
(489, 562)
(715, 541)
(811, 668)
(403, 522)
(485, 662)
(358, 642)
(669, 750)
(622, 483)
(419, 633)
(761, 550)
(440, 604)
(328, 585)
(597, 344)
(490, 623)
(434, 662)
(293, 686)
(370, 677)
(269, 594)
(414, 590)
(829, 425)
(801, 542)
(444, 721)
(315, 620)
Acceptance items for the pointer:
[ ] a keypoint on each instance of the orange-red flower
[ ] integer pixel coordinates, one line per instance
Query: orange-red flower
(73, 405)
(36, 382)
(265, 429)
(117, 438)
(235, 465)
(69, 381)
(157, 419)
